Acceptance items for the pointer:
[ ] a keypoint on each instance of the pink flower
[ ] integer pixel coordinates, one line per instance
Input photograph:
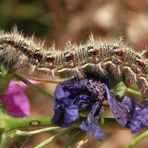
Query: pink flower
(15, 99)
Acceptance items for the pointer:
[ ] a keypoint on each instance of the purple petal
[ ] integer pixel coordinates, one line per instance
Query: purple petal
(71, 97)
(60, 92)
(15, 87)
(17, 104)
(74, 96)
(64, 117)
(15, 100)
(84, 102)
(120, 109)
(139, 118)
(93, 129)
(91, 125)
(128, 112)
(71, 88)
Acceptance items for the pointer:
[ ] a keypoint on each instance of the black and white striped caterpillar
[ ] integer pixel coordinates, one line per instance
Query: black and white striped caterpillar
(105, 57)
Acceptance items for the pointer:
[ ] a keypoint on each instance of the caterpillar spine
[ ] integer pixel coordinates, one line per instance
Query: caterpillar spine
(105, 57)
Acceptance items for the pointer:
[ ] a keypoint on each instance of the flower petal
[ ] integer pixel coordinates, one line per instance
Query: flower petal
(128, 112)
(64, 117)
(120, 109)
(15, 87)
(17, 104)
(139, 118)
(91, 125)
(72, 97)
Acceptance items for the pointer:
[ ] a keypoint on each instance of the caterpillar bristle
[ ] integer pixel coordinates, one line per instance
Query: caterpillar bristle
(130, 74)
(144, 53)
(100, 68)
(30, 54)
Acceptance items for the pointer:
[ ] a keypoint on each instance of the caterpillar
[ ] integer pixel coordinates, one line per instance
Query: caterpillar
(23, 53)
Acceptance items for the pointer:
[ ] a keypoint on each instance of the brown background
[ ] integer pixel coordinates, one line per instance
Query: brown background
(74, 20)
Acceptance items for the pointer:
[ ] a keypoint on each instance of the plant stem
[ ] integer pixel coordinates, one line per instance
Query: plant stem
(53, 138)
(75, 138)
(14, 123)
(16, 133)
(138, 139)
(133, 92)
(34, 87)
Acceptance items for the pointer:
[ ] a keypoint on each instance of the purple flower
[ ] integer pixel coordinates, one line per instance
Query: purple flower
(73, 98)
(128, 112)
(15, 99)
(91, 125)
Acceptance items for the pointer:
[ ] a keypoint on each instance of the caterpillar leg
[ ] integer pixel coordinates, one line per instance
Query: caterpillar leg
(130, 75)
(114, 68)
(143, 84)
(100, 68)
(78, 72)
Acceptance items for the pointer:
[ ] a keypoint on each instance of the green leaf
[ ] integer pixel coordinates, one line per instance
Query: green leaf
(119, 89)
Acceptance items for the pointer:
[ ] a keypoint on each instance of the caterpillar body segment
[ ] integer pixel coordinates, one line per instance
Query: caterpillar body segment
(25, 54)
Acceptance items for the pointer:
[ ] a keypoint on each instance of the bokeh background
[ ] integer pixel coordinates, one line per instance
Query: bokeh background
(62, 20)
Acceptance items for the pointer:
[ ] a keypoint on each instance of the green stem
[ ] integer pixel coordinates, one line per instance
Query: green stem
(53, 138)
(75, 138)
(133, 92)
(34, 87)
(138, 139)
(16, 133)
(15, 123)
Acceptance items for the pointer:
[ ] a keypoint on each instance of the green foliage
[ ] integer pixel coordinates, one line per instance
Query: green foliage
(120, 89)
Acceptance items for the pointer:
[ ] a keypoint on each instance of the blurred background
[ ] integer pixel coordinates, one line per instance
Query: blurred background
(74, 20)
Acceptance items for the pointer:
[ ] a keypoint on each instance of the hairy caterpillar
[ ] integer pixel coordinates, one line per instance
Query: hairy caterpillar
(104, 57)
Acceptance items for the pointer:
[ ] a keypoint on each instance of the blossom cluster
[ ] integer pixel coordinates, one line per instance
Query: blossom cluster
(74, 98)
